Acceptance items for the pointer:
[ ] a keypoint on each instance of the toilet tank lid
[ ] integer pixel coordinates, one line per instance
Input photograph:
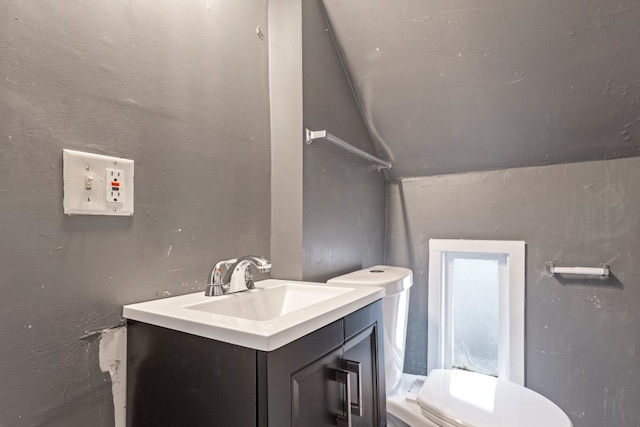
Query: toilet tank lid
(392, 279)
(468, 399)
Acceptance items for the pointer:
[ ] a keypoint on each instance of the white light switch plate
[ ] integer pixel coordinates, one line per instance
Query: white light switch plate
(97, 185)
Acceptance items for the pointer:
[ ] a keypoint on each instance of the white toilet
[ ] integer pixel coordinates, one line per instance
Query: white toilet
(447, 397)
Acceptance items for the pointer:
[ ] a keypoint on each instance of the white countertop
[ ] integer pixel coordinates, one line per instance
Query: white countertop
(178, 313)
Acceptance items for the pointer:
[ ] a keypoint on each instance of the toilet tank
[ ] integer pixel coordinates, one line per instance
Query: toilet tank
(396, 282)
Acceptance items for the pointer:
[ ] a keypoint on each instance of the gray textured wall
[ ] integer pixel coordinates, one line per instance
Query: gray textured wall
(182, 89)
(344, 195)
(457, 86)
(582, 336)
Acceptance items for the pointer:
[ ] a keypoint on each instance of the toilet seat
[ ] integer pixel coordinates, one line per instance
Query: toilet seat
(467, 399)
(452, 398)
(459, 399)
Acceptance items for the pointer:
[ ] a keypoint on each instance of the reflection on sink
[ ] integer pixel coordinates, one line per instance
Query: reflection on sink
(268, 303)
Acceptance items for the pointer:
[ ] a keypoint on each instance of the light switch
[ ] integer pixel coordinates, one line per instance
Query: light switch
(97, 185)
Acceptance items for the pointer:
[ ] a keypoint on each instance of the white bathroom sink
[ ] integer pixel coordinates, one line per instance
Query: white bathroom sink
(274, 314)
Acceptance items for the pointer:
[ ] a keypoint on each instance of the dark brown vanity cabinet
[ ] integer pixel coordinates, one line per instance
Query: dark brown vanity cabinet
(331, 377)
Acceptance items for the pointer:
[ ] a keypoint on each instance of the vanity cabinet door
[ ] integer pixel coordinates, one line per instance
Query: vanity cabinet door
(359, 359)
(317, 393)
(298, 390)
(344, 387)
(364, 357)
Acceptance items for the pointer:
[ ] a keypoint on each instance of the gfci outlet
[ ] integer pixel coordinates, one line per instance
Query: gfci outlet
(97, 185)
(114, 185)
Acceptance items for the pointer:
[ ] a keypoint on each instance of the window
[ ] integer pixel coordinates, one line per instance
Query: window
(476, 307)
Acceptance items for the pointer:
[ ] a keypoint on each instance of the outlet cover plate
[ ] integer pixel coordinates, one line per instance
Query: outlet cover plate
(84, 184)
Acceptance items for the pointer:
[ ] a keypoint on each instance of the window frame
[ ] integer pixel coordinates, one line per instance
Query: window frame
(511, 304)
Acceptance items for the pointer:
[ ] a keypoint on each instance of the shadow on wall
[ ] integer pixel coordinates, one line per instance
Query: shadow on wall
(611, 282)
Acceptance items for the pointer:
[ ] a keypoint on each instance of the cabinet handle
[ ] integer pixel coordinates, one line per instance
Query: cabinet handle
(344, 377)
(355, 368)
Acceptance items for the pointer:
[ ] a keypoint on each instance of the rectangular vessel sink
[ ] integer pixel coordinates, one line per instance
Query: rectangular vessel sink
(268, 303)
(274, 314)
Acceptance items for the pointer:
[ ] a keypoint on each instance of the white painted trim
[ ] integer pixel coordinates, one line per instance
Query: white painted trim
(286, 115)
(512, 303)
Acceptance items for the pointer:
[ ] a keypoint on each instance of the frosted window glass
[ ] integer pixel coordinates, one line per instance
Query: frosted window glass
(475, 328)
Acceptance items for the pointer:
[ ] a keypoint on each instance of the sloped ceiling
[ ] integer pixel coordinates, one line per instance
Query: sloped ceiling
(454, 86)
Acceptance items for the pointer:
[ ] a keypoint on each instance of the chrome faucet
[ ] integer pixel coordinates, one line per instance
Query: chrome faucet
(237, 277)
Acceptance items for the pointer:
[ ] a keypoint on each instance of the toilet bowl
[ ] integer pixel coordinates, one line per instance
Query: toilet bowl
(446, 397)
